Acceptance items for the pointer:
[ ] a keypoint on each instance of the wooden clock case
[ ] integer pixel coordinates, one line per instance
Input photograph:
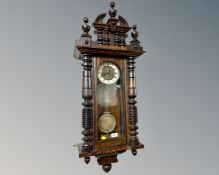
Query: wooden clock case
(109, 47)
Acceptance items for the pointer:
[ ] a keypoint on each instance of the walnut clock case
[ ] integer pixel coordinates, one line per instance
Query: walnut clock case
(109, 115)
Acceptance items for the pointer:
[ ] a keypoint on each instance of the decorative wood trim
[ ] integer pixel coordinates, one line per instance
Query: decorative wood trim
(109, 51)
(110, 46)
(132, 108)
(87, 111)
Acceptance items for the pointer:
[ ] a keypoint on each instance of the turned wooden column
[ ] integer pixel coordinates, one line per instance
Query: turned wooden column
(132, 108)
(87, 93)
(87, 111)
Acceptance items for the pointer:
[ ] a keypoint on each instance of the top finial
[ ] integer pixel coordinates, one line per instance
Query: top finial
(85, 27)
(112, 4)
(134, 33)
(86, 20)
(112, 12)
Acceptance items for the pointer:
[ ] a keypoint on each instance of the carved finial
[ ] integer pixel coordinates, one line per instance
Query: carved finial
(113, 11)
(86, 27)
(112, 4)
(107, 167)
(134, 33)
(87, 160)
(134, 152)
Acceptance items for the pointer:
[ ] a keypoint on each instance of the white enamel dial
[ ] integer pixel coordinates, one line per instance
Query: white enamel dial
(108, 73)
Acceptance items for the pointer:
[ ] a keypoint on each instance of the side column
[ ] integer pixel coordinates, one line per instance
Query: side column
(132, 108)
(87, 111)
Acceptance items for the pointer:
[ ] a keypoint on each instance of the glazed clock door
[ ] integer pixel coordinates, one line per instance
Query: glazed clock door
(110, 103)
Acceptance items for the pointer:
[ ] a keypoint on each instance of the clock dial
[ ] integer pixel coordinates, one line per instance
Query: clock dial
(108, 73)
(107, 123)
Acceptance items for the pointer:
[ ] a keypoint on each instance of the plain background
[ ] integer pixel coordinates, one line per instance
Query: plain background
(177, 79)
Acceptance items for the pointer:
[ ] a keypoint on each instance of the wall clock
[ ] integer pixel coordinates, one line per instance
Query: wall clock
(109, 114)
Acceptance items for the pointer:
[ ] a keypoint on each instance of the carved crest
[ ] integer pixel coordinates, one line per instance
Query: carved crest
(111, 35)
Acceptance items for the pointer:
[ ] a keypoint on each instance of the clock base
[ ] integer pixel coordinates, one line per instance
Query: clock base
(107, 160)
(107, 167)
(106, 157)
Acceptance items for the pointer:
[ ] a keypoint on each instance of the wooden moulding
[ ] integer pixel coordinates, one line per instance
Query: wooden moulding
(97, 153)
(107, 160)
(107, 151)
(139, 146)
(84, 153)
(102, 50)
(110, 51)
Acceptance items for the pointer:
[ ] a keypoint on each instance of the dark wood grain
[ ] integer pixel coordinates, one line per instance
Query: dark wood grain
(110, 46)
(87, 111)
